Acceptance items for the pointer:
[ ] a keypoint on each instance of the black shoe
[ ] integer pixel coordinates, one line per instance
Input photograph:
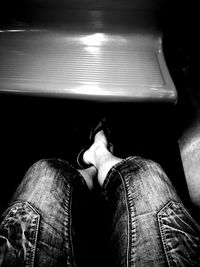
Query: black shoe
(101, 126)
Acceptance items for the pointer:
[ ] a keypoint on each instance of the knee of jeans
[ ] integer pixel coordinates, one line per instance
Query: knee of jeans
(151, 183)
(43, 179)
(41, 167)
(42, 163)
(48, 171)
(46, 166)
(48, 163)
(152, 172)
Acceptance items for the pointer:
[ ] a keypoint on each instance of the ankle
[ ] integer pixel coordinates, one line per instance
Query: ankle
(101, 155)
(96, 154)
(105, 166)
(89, 176)
(102, 159)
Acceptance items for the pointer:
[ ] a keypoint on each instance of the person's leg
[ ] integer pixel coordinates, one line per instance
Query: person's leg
(89, 176)
(150, 225)
(46, 222)
(100, 157)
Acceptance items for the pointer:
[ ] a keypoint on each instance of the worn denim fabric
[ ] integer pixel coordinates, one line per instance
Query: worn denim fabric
(150, 225)
(47, 221)
(37, 228)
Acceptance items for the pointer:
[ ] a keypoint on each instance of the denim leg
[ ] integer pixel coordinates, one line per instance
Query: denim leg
(150, 225)
(37, 228)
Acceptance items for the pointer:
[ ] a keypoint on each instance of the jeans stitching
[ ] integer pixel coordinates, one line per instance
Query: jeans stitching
(162, 233)
(70, 232)
(173, 205)
(67, 224)
(131, 221)
(132, 232)
(35, 216)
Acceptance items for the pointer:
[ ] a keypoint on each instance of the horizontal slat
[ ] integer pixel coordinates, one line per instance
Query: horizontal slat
(130, 66)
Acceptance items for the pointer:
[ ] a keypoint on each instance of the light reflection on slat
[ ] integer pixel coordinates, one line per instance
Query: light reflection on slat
(78, 63)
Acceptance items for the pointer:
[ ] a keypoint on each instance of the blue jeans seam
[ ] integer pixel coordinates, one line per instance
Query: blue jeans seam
(133, 223)
(67, 224)
(36, 235)
(115, 167)
(131, 220)
(162, 233)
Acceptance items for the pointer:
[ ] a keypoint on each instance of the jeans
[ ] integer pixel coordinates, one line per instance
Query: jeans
(47, 221)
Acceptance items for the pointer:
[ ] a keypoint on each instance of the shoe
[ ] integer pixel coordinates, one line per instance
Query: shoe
(101, 125)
